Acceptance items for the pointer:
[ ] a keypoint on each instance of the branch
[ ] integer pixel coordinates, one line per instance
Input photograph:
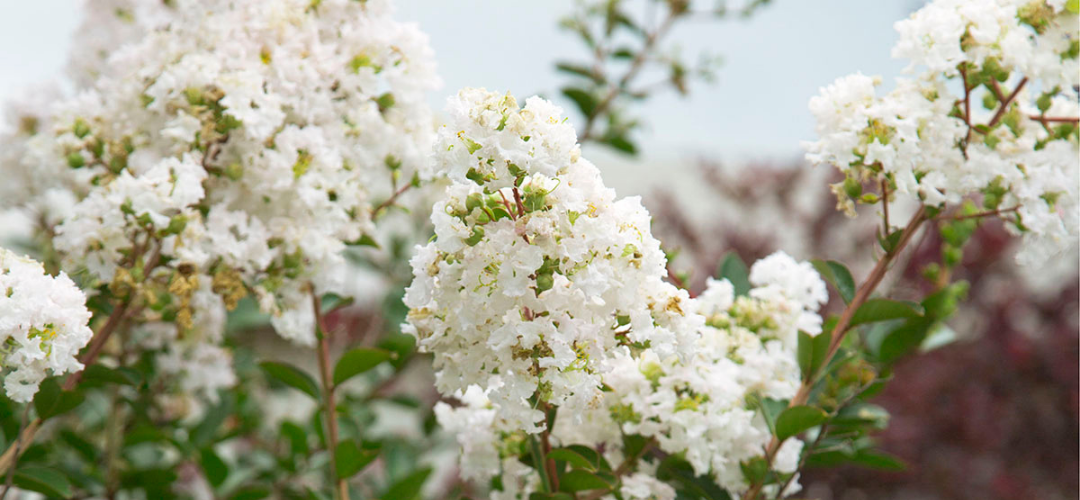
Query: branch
(1005, 104)
(323, 336)
(861, 296)
(386, 204)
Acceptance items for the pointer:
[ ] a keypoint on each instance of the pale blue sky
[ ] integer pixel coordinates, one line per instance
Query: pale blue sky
(774, 62)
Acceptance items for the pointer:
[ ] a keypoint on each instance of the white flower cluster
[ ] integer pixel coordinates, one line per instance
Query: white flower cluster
(541, 289)
(537, 273)
(43, 325)
(993, 112)
(252, 139)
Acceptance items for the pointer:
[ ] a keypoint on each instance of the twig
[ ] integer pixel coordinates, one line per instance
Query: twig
(861, 296)
(18, 447)
(1005, 104)
(323, 336)
(885, 203)
(386, 204)
(987, 213)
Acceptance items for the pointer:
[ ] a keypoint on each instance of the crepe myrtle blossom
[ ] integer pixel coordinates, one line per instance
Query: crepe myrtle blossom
(246, 142)
(990, 110)
(43, 325)
(700, 407)
(537, 273)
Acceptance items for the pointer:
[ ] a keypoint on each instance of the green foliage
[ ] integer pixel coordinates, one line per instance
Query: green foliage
(357, 361)
(292, 377)
(733, 269)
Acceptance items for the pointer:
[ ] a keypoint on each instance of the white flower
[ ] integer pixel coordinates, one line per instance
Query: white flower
(43, 325)
(252, 139)
(916, 137)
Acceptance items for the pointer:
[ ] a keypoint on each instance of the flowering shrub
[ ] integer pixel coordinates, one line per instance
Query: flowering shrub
(225, 168)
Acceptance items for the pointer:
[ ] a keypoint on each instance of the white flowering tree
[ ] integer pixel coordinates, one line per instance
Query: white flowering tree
(224, 164)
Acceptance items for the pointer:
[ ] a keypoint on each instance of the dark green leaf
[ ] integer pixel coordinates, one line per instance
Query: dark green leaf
(251, 493)
(51, 400)
(215, 468)
(889, 242)
(812, 352)
(297, 438)
(350, 458)
(49, 482)
(878, 460)
(571, 457)
(358, 361)
(291, 376)
(797, 419)
(585, 101)
(904, 339)
(839, 276)
(550, 496)
(621, 143)
(882, 310)
(100, 374)
(581, 480)
(408, 487)
(734, 270)
(580, 70)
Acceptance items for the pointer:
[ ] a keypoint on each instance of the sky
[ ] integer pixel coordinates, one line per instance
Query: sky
(774, 62)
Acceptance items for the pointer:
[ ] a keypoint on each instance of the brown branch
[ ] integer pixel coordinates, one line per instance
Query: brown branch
(885, 203)
(1054, 119)
(1005, 104)
(841, 329)
(987, 213)
(119, 313)
(635, 66)
(323, 336)
(386, 204)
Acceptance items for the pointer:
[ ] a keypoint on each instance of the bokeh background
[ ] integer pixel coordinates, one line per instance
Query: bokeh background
(993, 415)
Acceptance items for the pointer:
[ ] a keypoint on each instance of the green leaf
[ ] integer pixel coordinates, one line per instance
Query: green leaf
(680, 474)
(733, 269)
(889, 242)
(408, 487)
(939, 336)
(904, 339)
(580, 70)
(797, 419)
(364, 241)
(621, 143)
(585, 101)
(550, 496)
(882, 310)
(49, 482)
(839, 276)
(358, 361)
(291, 376)
(102, 375)
(350, 458)
(251, 493)
(581, 480)
(874, 459)
(770, 409)
(297, 438)
(1073, 6)
(51, 400)
(571, 457)
(215, 468)
(812, 352)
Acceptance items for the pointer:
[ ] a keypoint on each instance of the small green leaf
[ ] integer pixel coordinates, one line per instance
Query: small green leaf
(838, 275)
(1073, 6)
(878, 460)
(408, 487)
(297, 438)
(51, 400)
(251, 493)
(364, 241)
(350, 458)
(733, 269)
(100, 374)
(904, 339)
(875, 310)
(585, 101)
(358, 361)
(292, 377)
(49, 482)
(215, 468)
(812, 352)
(580, 70)
(889, 242)
(621, 143)
(581, 480)
(797, 419)
(550, 496)
(571, 457)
